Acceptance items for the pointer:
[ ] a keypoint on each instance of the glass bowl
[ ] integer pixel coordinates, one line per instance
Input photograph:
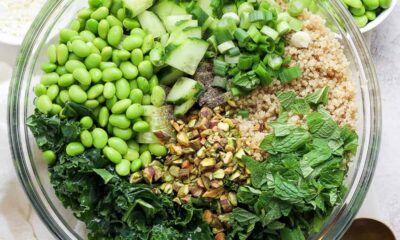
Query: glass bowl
(32, 170)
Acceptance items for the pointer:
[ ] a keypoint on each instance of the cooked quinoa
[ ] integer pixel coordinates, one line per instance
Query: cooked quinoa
(324, 64)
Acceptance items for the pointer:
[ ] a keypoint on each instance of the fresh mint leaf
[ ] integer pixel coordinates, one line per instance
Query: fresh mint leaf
(300, 107)
(321, 126)
(292, 142)
(320, 96)
(259, 171)
(292, 234)
(286, 99)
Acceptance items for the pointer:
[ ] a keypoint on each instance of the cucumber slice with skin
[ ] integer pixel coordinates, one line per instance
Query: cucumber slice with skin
(165, 8)
(182, 109)
(183, 90)
(186, 23)
(135, 7)
(151, 23)
(193, 32)
(187, 56)
(206, 6)
(178, 36)
(171, 21)
(170, 75)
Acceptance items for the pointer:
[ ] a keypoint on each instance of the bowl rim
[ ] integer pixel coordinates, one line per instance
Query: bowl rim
(380, 19)
(345, 215)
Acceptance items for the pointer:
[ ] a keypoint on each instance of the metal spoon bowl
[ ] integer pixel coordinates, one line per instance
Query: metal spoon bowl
(368, 229)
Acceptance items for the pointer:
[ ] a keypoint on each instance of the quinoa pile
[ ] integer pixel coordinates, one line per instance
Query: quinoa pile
(324, 64)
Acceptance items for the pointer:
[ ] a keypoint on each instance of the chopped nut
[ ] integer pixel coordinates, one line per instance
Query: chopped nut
(186, 199)
(167, 188)
(158, 173)
(148, 174)
(167, 177)
(207, 162)
(224, 217)
(219, 174)
(174, 171)
(177, 185)
(220, 236)
(175, 149)
(183, 191)
(232, 199)
(184, 173)
(214, 193)
(186, 164)
(208, 216)
(136, 177)
(196, 191)
(240, 154)
(205, 112)
(223, 126)
(225, 204)
(227, 158)
(201, 153)
(192, 123)
(195, 143)
(206, 133)
(234, 175)
(206, 182)
(182, 139)
(216, 183)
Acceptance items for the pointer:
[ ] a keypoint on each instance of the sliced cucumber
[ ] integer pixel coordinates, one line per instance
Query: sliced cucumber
(186, 23)
(182, 109)
(187, 56)
(178, 36)
(170, 75)
(165, 8)
(171, 21)
(147, 138)
(183, 90)
(135, 7)
(151, 23)
(193, 32)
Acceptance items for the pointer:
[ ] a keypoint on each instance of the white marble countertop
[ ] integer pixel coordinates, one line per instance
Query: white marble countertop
(383, 200)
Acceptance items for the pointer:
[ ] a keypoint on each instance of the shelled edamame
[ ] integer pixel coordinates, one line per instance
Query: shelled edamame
(102, 63)
(364, 11)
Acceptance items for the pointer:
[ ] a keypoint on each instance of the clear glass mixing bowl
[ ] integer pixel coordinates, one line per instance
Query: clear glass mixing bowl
(33, 172)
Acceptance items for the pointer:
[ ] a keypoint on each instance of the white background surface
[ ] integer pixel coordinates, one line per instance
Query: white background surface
(19, 221)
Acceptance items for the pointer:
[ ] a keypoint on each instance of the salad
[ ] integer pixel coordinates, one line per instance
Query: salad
(205, 119)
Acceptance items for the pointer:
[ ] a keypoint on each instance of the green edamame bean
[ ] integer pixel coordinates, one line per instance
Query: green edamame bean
(143, 84)
(44, 104)
(103, 117)
(82, 76)
(105, 65)
(146, 158)
(86, 138)
(111, 74)
(371, 4)
(134, 111)
(112, 155)
(113, 21)
(75, 25)
(71, 65)
(130, 23)
(132, 42)
(55, 109)
(136, 165)
(123, 55)
(80, 48)
(92, 25)
(85, 13)
(87, 36)
(352, 3)
(148, 43)
(361, 21)
(53, 91)
(103, 28)
(96, 75)
(93, 61)
(385, 4)
(371, 15)
(76, 94)
(124, 134)
(129, 70)
(48, 67)
(110, 102)
(158, 96)
(131, 154)
(132, 144)
(49, 156)
(99, 43)
(153, 82)
(40, 90)
(91, 104)
(121, 14)
(119, 121)
(64, 96)
(49, 79)
(62, 54)
(357, 11)
(138, 31)
(75, 148)
(61, 70)
(158, 150)
(133, 84)
(100, 138)
(66, 80)
(72, 56)
(66, 35)
(95, 3)
(146, 100)
(123, 89)
(146, 69)
(106, 54)
(136, 57)
(95, 91)
(141, 126)
(86, 122)
(123, 168)
(109, 90)
(114, 36)
(121, 106)
(100, 13)
(143, 148)
(118, 144)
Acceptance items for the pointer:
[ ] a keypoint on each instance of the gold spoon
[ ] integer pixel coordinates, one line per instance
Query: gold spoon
(368, 229)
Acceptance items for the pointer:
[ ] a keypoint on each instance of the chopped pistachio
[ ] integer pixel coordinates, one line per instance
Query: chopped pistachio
(219, 174)
(183, 191)
(232, 199)
(174, 171)
(207, 162)
(182, 139)
(223, 126)
(136, 177)
(234, 175)
(213, 193)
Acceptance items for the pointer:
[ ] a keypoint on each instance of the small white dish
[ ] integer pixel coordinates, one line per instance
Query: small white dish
(380, 19)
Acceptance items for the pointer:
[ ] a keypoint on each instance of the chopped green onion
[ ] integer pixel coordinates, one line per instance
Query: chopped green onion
(250, 46)
(199, 14)
(241, 35)
(254, 33)
(220, 82)
(280, 48)
(234, 51)
(295, 24)
(243, 113)
(233, 71)
(230, 8)
(256, 16)
(246, 81)
(222, 48)
(274, 61)
(296, 7)
(268, 16)
(210, 54)
(289, 74)
(222, 35)
(270, 32)
(283, 28)
(245, 62)
(231, 59)
(286, 60)
(263, 74)
(245, 8)
(220, 68)
(236, 92)
(245, 21)
(213, 42)
(233, 16)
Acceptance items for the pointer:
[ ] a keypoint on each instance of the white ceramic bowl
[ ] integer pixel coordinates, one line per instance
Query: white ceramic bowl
(373, 24)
